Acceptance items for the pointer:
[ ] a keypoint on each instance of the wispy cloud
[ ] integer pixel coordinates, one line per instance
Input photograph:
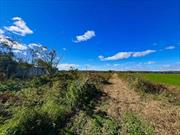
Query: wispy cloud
(125, 55)
(1, 31)
(150, 62)
(143, 53)
(155, 44)
(118, 56)
(64, 49)
(37, 47)
(86, 36)
(170, 67)
(19, 27)
(170, 47)
(67, 66)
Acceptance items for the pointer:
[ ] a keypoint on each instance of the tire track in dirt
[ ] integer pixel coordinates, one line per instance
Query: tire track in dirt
(164, 117)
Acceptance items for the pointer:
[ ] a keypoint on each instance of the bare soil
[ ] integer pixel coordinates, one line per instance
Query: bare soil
(163, 116)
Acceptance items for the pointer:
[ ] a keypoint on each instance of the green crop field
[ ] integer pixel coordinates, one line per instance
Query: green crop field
(167, 79)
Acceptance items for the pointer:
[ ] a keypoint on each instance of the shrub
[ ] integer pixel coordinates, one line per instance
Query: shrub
(11, 85)
(53, 111)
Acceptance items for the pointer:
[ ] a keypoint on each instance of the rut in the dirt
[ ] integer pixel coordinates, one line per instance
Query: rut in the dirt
(164, 117)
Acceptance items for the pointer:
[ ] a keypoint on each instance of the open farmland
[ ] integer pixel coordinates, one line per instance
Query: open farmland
(89, 67)
(166, 79)
(87, 103)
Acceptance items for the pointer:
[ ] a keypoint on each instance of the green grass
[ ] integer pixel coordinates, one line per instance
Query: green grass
(166, 79)
(84, 124)
(156, 85)
(134, 125)
(45, 104)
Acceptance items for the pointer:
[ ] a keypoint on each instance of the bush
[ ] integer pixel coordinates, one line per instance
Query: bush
(53, 111)
(11, 85)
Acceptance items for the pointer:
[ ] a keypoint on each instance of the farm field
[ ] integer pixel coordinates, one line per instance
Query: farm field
(89, 67)
(86, 103)
(159, 78)
(166, 79)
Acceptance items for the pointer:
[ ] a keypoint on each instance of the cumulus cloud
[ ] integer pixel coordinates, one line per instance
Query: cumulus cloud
(170, 47)
(125, 55)
(86, 36)
(67, 66)
(19, 27)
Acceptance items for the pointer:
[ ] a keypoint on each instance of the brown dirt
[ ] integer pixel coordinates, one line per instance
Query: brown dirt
(163, 116)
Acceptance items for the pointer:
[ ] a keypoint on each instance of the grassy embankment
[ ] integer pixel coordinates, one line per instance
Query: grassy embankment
(46, 105)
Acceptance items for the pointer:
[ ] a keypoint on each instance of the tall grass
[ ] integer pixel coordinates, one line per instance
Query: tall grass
(52, 111)
(134, 125)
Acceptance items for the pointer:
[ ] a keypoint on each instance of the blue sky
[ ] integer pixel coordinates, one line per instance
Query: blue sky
(101, 35)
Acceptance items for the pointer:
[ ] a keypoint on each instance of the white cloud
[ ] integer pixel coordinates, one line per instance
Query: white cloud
(171, 67)
(86, 36)
(1, 31)
(101, 57)
(143, 53)
(125, 55)
(13, 44)
(116, 65)
(19, 27)
(170, 47)
(150, 62)
(118, 56)
(67, 66)
(37, 46)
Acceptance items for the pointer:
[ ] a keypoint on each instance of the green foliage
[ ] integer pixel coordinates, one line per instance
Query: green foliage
(7, 64)
(142, 85)
(148, 87)
(27, 121)
(136, 126)
(108, 126)
(96, 124)
(44, 105)
(159, 91)
(11, 85)
(39, 81)
(45, 110)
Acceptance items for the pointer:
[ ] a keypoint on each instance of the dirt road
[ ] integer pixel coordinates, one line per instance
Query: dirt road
(164, 117)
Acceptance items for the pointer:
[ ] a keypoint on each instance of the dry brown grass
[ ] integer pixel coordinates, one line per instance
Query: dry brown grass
(164, 116)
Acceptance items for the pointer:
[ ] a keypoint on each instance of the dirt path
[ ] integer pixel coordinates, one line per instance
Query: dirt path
(164, 117)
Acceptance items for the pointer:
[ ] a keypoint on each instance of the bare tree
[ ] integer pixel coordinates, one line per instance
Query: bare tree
(49, 60)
